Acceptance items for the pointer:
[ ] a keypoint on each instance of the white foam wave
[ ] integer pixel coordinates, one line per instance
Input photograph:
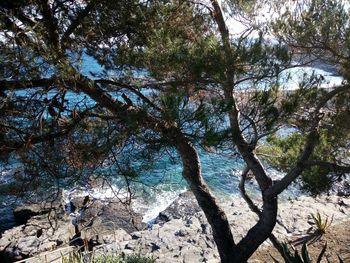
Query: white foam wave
(101, 193)
(150, 206)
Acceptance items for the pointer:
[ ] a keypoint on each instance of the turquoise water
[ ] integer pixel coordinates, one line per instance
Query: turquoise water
(220, 172)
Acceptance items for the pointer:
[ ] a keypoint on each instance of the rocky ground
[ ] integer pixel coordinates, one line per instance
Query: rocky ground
(47, 226)
(337, 238)
(180, 234)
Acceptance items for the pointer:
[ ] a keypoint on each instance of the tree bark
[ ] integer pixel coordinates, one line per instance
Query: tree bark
(263, 228)
(191, 167)
(215, 215)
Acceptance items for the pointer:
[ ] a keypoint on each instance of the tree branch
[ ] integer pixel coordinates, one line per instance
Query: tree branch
(328, 165)
(255, 209)
(51, 24)
(29, 139)
(130, 88)
(77, 21)
(25, 84)
(311, 142)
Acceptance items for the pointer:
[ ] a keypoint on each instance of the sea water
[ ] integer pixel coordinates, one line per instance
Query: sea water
(157, 188)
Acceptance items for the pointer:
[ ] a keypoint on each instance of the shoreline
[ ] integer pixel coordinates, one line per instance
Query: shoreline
(181, 233)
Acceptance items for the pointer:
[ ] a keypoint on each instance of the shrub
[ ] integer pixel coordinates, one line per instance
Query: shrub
(291, 255)
(90, 258)
(321, 224)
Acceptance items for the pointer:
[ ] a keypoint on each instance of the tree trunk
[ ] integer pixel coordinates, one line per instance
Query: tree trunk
(228, 250)
(215, 215)
(259, 233)
(191, 167)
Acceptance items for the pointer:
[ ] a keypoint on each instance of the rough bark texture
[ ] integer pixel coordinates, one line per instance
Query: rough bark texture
(215, 215)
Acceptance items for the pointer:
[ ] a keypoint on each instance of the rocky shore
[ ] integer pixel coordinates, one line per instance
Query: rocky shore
(81, 223)
(180, 233)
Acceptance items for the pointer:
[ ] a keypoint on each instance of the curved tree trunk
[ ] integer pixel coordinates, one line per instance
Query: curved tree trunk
(191, 166)
(268, 218)
(215, 215)
(259, 233)
(228, 250)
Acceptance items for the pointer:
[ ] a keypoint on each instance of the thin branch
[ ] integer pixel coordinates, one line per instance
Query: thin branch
(25, 84)
(51, 24)
(34, 139)
(253, 207)
(130, 88)
(77, 21)
(259, 78)
(328, 165)
(255, 130)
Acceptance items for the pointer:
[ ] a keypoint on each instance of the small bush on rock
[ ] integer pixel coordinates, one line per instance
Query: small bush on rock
(321, 224)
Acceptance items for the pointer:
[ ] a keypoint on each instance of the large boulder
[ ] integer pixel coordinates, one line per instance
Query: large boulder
(98, 220)
(53, 203)
(184, 205)
(40, 233)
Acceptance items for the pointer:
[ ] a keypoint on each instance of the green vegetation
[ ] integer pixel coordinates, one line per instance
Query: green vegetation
(321, 224)
(90, 258)
(315, 178)
(291, 255)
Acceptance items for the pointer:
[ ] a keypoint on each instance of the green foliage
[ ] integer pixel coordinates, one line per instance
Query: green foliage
(91, 258)
(320, 27)
(178, 43)
(285, 150)
(291, 255)
(321, 224)
(138, 259)
(282, 153)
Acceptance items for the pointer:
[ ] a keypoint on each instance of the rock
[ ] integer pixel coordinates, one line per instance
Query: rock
(191, 254)
(204, 228)
(187, 238)
(47, 226)
(78, 202)
(129, 246)
(136, 235)
(343, 189)
(24, 212)
(154, 247)
(184, 205)
(117, 236)
(47, 246)
(181, 233)
(100, 219)
(39, 234)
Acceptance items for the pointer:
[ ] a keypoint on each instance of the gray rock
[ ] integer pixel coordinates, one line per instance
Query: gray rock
(100, 219)
(47, 226)
(184, 205)
(154, 247)
(39, 234)
(129, 246)
(52, 203)
(181, 233)
(136, 235)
